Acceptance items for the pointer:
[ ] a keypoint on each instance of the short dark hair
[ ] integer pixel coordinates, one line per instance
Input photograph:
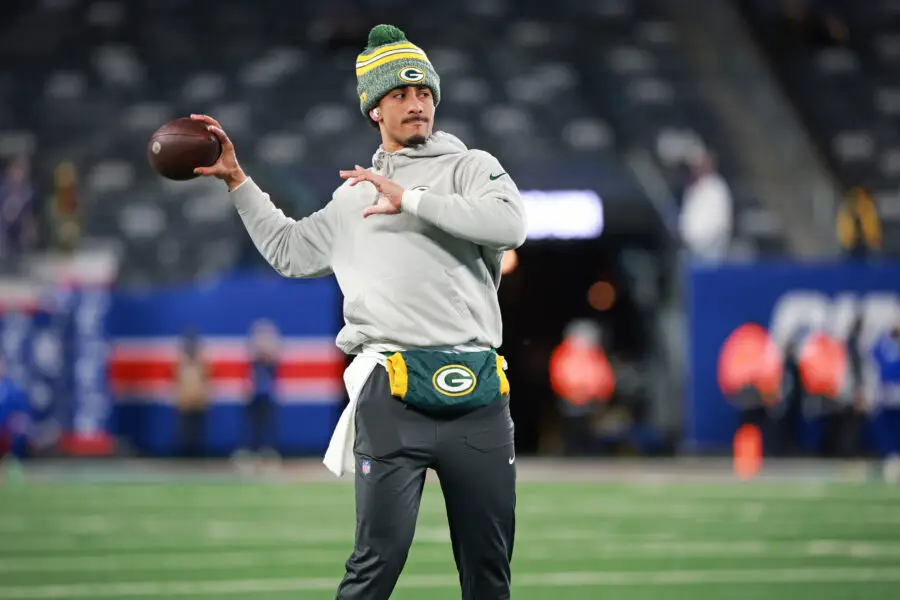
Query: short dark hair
(372, 122)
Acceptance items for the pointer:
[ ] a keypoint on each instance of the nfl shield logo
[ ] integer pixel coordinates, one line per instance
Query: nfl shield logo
(366, 466)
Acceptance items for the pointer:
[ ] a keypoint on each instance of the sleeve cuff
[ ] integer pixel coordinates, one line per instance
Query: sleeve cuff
(246, 195)
(410, 201)
(239, 186)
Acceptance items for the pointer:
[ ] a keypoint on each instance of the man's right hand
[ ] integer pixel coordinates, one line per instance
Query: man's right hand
(226, 168)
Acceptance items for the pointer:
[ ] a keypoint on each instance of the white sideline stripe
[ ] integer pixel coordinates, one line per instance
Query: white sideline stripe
(148, 499)
(140, 495)
(164, 515)
(735, 515)
(156, 528)
(213, 535)
(437, 554)
(525, 580)
(225, 534)
(122, 532)
(129, 500)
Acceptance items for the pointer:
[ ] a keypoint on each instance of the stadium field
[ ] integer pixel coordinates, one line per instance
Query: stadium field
(180, 537)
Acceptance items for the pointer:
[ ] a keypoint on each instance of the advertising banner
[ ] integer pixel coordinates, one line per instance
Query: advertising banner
(147, 329)
(786, 299)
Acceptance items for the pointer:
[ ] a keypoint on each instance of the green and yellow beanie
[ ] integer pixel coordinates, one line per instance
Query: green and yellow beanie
(391, 61)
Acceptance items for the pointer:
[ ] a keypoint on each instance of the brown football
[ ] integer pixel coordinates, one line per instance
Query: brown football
(180, 146)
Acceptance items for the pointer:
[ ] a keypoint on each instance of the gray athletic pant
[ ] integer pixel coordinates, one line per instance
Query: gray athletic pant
(474, 458)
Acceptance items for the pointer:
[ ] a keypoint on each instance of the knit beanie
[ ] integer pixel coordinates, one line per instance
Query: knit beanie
(391, 61)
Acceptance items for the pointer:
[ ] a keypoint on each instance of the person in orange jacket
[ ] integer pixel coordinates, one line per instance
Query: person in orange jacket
(581, 378)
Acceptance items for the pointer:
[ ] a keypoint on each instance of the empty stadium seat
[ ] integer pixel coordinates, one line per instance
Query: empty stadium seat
(568, 82)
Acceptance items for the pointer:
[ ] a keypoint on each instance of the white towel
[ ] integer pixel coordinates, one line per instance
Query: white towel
(339, 457)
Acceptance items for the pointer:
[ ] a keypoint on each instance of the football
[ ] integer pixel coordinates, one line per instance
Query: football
(180, 146)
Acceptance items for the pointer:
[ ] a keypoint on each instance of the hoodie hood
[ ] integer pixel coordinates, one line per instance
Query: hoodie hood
(440, 143)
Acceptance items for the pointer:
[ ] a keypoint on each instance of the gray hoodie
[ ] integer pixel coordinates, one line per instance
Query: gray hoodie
(424, 278)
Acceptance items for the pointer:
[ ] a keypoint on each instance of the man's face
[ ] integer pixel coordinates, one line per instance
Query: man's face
(407, 115)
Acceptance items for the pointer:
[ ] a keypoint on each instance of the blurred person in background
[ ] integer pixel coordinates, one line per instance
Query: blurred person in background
(65, 219)
(751, 375)
(858, 225)
(707, 211)
(789, 412)
(261, 404)
(824, 375)
(192, 390)
(15, 419)
(855, 369)
(18, 226)
(885, 414)
(853, 410)
(415, 243)
(582, 379)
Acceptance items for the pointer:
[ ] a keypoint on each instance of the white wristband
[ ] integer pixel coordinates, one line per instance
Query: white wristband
(409, 202)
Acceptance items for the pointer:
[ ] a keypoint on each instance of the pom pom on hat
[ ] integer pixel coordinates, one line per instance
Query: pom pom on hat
(385, 34)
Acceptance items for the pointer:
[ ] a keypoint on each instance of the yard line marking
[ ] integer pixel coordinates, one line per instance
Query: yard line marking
(154, 522)
(212, 534)
(287, 497)
(111, 498)
(433, 554)
(526, 580)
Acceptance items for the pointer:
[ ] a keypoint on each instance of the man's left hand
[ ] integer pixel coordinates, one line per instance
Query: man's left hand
(390, 193)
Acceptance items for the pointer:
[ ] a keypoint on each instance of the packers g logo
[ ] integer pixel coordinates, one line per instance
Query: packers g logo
(419, 188)
(454, 380)
(411, 74)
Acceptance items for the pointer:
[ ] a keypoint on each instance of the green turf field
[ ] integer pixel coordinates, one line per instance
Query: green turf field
(575, 541)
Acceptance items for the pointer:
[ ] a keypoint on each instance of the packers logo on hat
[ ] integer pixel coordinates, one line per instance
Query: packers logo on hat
(411, 74)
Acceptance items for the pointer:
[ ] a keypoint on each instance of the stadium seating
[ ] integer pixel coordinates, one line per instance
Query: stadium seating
(845, 89)
(571, 82)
